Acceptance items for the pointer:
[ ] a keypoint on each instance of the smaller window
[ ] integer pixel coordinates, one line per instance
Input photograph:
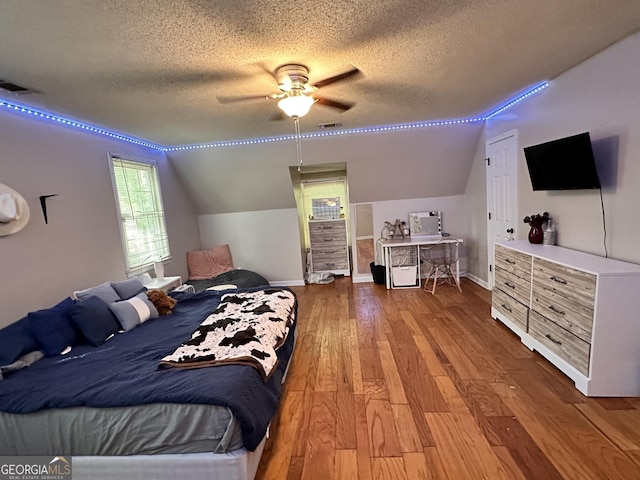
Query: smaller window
(139, 204)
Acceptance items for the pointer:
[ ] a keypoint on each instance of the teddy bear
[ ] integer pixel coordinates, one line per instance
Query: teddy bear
(163, 302)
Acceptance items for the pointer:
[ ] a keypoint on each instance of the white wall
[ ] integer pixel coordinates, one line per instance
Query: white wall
(397, 171)
(451, 208)
(390, 210)
(394, 165)
(266, 242)
(602, 96)
(475, 218)
(80, 246)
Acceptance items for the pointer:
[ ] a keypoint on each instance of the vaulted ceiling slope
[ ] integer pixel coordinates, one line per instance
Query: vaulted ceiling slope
(155, 68)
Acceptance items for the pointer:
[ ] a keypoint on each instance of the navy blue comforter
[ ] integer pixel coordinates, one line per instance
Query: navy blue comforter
(124, 371)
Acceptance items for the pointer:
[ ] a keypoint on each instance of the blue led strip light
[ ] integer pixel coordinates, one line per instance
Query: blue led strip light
(352, 131)
(256, 141)
(386, 128)
(518, 99)
(75, 123)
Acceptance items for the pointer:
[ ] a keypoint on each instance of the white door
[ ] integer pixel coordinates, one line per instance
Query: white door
(502, 181)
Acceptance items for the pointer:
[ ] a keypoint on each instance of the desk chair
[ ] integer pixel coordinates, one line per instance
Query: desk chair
(442, 259)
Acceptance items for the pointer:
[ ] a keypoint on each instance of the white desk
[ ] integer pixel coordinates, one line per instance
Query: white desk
(166, 285)
(388, 245)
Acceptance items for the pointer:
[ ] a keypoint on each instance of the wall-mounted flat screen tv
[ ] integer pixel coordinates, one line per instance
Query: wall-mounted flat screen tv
(563, 164)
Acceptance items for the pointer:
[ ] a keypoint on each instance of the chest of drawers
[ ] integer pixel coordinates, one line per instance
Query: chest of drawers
(580, 311)
(566, 298)
(329, 246)
(512, 285)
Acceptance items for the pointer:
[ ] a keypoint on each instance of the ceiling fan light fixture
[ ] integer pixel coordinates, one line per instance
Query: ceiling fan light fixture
(296, 105)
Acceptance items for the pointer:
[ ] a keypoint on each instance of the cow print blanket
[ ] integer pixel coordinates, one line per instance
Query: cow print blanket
(247, 328)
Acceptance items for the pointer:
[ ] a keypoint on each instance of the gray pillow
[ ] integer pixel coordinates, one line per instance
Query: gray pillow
(134, 311)
(128, 288)
(22, 362)
(104, 292)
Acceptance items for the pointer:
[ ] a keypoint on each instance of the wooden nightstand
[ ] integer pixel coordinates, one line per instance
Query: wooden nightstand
(166, 285)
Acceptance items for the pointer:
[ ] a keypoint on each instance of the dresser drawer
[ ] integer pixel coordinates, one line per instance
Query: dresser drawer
(329, 253)
(517, 287)
(510, 308)
(327, 237)
(328, 242)
(564, 344)
(323, 265)
(576, 317)
(567, 282)
(516, 263)
(337, 228)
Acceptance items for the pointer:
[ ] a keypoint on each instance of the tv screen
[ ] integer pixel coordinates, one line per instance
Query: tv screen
(563, 164)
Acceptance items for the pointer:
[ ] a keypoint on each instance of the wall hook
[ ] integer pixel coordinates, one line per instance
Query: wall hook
(43, 204)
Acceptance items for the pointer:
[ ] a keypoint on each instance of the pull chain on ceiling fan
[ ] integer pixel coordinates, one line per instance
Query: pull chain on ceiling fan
(296, 123)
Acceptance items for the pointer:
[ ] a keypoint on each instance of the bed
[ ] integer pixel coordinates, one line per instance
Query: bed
(239, 278)
(214, 267)
(120, 410)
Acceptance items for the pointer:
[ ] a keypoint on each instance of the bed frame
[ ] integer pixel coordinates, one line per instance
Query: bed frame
(240, 464)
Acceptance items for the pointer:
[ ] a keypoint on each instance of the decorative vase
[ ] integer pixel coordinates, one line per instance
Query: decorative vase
(536, 235)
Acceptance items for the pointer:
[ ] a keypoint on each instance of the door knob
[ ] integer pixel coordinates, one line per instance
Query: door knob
(510, 230)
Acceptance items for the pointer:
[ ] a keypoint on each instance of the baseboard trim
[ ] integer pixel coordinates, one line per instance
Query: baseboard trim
(361, 278)
(286, 283)
(479, 281)
(366, 278)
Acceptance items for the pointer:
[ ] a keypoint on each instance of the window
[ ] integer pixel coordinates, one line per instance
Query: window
(139, 203)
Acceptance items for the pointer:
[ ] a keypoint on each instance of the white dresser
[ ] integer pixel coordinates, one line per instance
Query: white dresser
(580, 311)
(329, 247)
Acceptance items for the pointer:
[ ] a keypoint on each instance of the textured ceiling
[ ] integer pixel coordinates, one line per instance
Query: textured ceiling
(153, 69)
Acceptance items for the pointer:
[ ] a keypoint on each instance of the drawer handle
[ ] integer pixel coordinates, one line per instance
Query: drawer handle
(554, 309)
(557, 342)
(509, 285)
(559, 280)
(508, 260)
(507, 308)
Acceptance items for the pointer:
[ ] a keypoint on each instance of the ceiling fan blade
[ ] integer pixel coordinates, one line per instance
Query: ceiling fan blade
(336, 78)
(244, 98)
(278, 116)
(267, 70)
(333, 103)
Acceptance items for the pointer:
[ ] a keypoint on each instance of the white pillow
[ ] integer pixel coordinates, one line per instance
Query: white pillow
(134, 311)
(223, 287)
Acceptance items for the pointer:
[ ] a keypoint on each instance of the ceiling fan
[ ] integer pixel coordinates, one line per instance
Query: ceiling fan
(297, 95)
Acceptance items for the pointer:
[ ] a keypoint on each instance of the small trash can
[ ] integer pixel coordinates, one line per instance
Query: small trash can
(378, 272)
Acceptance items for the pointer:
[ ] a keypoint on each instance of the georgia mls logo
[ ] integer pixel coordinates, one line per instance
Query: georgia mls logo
(35, 468)
(60, 466)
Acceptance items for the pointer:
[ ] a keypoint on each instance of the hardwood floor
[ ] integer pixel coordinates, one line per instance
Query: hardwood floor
(365, 250)
(402, 384)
